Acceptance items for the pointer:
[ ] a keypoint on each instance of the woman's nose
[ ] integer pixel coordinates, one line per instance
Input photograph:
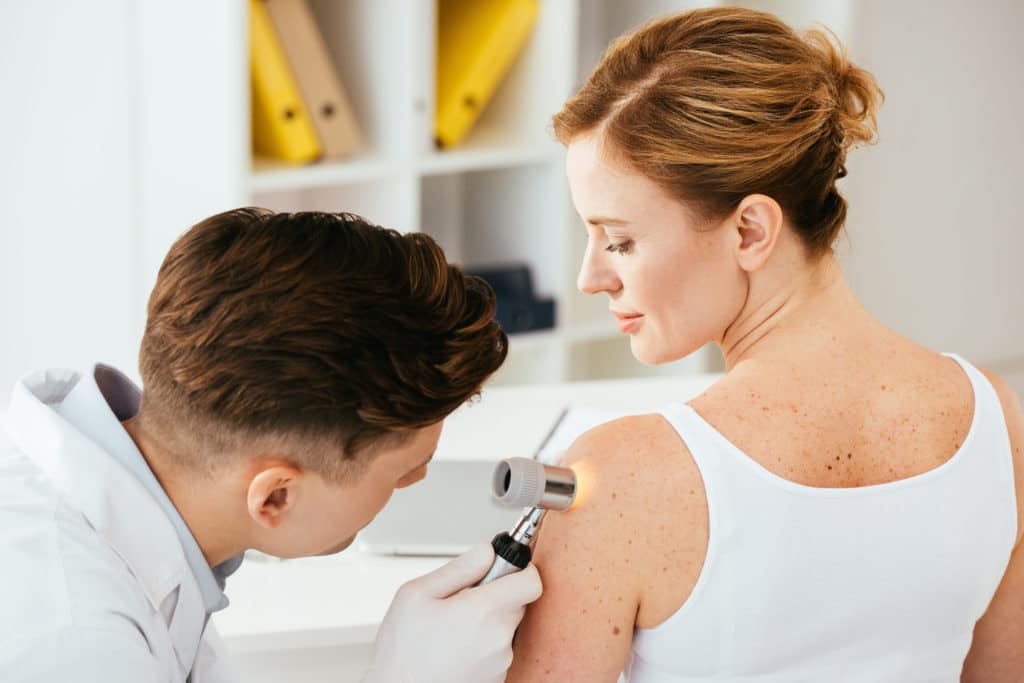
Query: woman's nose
(595, 276)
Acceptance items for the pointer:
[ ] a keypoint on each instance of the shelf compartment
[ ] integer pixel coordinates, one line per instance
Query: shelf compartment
(535, 87)
(382, 203)
(274, 176)
(370, 47)
(487, 152)
(501, 216)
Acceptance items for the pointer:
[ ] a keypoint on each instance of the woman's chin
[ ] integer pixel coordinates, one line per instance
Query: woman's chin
(654, 354)
(645, 352)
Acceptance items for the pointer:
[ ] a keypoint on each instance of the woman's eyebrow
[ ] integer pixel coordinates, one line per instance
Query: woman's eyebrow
(603, 220)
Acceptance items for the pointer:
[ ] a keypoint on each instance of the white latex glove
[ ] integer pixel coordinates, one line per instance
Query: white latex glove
(439, 631)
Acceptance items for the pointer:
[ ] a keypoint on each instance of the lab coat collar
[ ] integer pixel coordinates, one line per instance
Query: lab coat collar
(95, 407)
(114, 502)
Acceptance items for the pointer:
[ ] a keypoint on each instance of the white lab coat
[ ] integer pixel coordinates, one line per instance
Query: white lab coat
(95, 585)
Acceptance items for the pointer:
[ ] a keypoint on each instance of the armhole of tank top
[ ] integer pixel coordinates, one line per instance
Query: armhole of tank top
(986, 402)
(676, 416)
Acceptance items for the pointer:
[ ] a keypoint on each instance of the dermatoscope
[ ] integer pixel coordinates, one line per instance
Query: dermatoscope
(537, 487)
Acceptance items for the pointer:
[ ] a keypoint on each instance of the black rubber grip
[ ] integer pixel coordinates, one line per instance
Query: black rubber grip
(511, 550)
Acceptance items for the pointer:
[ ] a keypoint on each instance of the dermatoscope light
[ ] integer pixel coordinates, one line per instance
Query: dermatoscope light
(538, 488)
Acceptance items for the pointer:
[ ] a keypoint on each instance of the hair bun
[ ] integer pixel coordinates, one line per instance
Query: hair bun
(857, 96)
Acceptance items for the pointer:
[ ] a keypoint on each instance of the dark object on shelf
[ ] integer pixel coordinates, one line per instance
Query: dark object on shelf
(518, 308)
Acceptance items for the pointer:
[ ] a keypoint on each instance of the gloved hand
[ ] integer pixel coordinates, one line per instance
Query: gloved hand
(439, 631)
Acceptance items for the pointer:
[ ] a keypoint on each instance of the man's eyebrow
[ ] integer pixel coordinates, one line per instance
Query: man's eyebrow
(604, 220)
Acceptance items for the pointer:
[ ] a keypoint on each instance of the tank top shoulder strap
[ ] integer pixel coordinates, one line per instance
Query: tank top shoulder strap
(988, 434)
(717, 458)
(988, 410)
(692, 430)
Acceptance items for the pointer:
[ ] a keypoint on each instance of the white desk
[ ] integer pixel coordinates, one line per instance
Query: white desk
(315, 619)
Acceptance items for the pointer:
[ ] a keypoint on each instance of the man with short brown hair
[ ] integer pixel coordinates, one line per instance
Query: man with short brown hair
(297, 369)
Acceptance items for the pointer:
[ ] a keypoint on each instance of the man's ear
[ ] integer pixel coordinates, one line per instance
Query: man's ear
(272, 493)
(758, 222)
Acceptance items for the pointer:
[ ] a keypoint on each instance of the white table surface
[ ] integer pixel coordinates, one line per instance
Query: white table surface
(340, 600)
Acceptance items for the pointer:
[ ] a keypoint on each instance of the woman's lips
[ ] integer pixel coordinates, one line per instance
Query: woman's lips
(628, 322)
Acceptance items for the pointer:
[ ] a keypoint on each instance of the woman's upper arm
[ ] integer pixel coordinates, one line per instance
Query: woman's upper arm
(996, 654)
(581, 627)
(594, 559)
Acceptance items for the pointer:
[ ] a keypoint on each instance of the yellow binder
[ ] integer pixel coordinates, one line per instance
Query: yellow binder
(316, 77)
(477, 42)
(281, 127)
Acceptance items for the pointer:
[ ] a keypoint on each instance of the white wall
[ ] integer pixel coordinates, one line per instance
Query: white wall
(102, 111)
(193, 109)
(67, 183)
(936, 239)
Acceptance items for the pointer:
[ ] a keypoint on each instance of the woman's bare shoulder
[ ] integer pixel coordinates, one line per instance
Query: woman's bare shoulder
(599, 560)
(630, 473)
(633, 474)
(623, 445)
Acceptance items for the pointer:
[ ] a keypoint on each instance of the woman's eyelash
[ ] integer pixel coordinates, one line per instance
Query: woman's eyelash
(620, 248)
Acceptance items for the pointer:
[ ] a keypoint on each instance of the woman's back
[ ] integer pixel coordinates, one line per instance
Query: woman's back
(776, 530)
(861, 572)
(862, 406)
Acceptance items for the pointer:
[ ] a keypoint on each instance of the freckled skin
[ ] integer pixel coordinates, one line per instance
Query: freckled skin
(604, 552)
(906, 425)
(644, 541)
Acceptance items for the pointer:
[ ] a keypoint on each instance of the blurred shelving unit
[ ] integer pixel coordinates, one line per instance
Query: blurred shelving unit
(499, 197)
(160, 140)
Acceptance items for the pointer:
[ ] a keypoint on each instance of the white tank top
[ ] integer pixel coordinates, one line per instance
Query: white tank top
(875, 584)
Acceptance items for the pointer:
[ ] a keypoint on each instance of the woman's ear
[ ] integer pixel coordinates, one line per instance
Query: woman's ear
(758, 222)
(272, 493)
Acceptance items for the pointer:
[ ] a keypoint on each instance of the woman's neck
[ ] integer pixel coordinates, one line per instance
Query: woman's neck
(783, 313)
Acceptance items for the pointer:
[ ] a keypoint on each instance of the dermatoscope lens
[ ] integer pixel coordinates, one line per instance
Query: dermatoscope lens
(528, 483)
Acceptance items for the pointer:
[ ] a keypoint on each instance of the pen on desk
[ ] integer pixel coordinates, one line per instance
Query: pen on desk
(551, 432)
